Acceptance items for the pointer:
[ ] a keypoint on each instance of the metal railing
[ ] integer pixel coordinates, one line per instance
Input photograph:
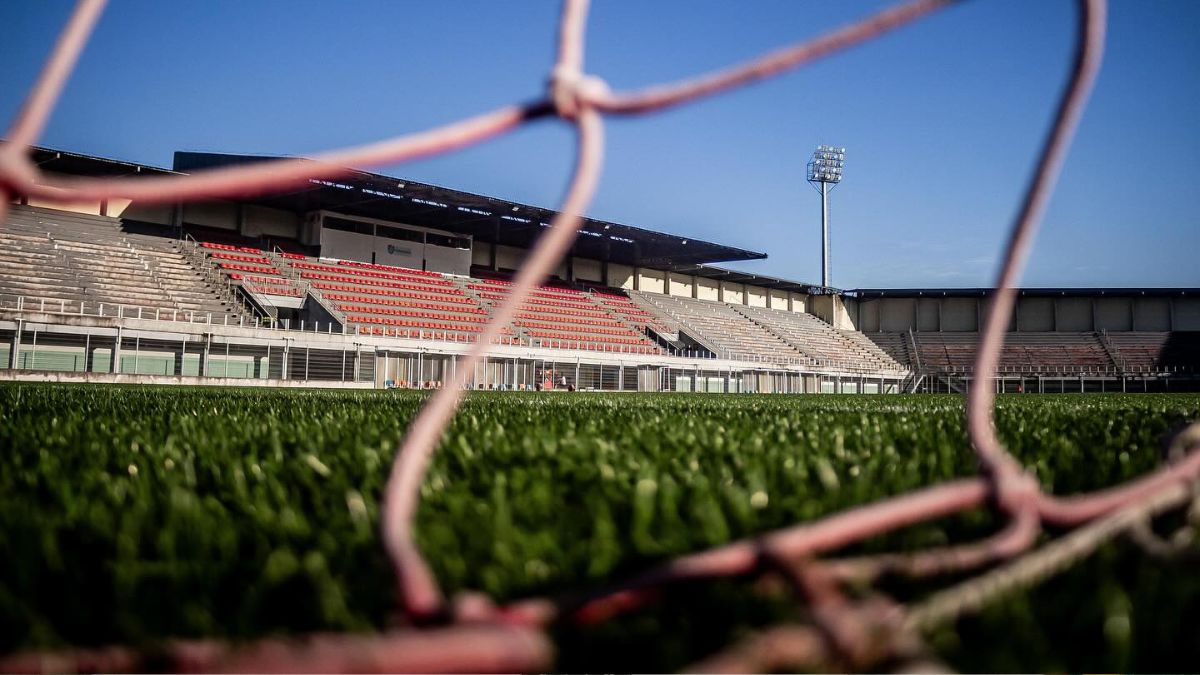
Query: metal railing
(109, 310)
(1064, 370)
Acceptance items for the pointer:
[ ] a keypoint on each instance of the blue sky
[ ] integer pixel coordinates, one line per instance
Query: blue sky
(941, 120)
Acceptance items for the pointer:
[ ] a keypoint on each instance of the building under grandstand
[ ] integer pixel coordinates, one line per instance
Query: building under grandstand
(373, 281)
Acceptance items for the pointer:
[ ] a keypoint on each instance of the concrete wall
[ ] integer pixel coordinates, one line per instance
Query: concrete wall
(260, 220)
(833, 310)
(91, 207)
(960, 314)
(847, 313)
(161, 214)
(588, 270)
(651, 281)
(679, 285)
(88, 207)
(509, 258)
(896, 314)
(686, 286)
(620, 276)
(799, 302)
(123, 378)
(1073, 314)
(350, 246)
(481, 254)
(1035, 314)
(1152, 314)
(215, 214)
(707, 289)
(116, 207)
(1114, 313)
(437, 258)
(929, 314)
(734, 293)
(868, 315)
(1032, 314)
(756, 296)
(1187, 313)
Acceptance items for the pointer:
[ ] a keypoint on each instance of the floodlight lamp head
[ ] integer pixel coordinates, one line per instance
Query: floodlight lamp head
(827, 164)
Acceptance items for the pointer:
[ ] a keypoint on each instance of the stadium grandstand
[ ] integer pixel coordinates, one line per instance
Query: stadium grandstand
(375, 281)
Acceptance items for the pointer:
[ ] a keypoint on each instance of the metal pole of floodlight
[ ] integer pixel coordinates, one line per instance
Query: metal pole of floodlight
(825, 170)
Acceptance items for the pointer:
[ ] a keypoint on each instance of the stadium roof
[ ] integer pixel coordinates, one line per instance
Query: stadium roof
(75, 164)
(622, 243)
(487, 219)
(734, 276)
(1023, 292)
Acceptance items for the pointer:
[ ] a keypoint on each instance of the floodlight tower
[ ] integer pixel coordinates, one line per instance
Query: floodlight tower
(825, 168)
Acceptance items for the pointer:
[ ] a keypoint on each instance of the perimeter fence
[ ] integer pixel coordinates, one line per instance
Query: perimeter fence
(469, 632)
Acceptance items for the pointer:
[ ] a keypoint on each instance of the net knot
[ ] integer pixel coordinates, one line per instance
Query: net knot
(571, 91)
(1016, 491)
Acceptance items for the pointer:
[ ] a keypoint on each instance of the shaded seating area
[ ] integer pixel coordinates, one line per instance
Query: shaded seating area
(1156, 351)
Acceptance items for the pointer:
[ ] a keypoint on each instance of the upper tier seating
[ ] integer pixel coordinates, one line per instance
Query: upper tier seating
(67, 259)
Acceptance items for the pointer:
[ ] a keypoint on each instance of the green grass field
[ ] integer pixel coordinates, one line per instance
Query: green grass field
(130, 514)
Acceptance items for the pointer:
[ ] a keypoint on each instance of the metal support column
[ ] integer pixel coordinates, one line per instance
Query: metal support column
(825, 234)
(204, 354)
(283, 361)
(14, 351)
(115, 366)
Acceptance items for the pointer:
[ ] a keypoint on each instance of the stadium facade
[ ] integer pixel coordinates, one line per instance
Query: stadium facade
(370, 281)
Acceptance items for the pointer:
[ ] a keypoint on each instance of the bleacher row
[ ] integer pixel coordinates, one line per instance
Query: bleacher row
(559, 315)
(251, 267)
(1048, 352)
(819, 341)
(403, 302)
(89, 264)
(740, 331)
(395, 301)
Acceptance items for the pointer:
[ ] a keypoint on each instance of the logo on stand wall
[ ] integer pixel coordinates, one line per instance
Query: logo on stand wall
(396, 250)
